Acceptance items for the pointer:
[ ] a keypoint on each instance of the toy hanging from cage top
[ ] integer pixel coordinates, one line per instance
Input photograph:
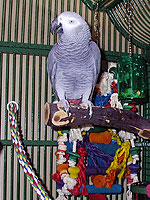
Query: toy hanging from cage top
(131, 71)
(132, 79)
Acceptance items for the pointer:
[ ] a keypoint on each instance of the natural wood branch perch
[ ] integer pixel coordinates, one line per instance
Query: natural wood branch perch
(55, 116)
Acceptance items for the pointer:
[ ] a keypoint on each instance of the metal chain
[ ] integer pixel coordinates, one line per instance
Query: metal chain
(129, 14)
(96, 23)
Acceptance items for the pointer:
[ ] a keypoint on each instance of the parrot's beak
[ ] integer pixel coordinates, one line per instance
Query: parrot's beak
(56, 27)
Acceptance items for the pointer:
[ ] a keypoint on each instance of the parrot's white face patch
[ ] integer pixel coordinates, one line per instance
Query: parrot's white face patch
(71, 25)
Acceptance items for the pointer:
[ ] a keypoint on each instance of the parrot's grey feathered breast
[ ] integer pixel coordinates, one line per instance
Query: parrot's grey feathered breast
(73, 64)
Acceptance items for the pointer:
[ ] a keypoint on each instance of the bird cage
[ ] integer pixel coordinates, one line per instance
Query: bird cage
(25, 42)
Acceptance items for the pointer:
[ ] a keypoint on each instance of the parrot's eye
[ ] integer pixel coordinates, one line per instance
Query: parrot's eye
(71, 22)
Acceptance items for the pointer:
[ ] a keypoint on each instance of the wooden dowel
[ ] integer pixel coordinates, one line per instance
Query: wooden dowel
(129, 121)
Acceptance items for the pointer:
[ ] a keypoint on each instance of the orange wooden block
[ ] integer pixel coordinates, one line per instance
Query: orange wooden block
(99, 181)
(103, 137)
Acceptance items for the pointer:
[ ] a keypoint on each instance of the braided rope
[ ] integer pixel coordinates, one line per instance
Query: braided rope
(12, 108)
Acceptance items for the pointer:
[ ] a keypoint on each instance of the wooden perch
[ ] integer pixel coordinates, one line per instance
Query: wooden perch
(55, 116)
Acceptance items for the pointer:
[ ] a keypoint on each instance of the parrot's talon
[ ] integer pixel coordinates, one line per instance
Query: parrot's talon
(88, 104)
(65, 104)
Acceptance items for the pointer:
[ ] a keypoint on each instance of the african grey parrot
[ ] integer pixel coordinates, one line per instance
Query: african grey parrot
(73, 64)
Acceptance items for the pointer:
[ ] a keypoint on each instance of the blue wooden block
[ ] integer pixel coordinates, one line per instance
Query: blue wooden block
(92, 189)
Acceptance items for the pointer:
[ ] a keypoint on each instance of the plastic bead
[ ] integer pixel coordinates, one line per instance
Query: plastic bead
(134, 168)
(59, 133)
(129, 180)
(62, 168)
(134, 151)
(74, 171)
(83, 132)
(60, 184)
(73, 156)
(99, 181)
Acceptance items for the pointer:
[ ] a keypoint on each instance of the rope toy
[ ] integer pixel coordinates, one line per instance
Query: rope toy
(120, 159)
(12, 108)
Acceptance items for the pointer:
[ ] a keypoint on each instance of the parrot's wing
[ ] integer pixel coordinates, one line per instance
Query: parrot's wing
(96, 65)
(52, 66)
(97, 58)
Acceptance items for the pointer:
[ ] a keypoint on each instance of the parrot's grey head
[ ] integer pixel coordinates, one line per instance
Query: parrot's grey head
(70, 24)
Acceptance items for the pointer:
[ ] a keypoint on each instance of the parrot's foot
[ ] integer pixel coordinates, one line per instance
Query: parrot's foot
(88, 104)
(65, 104)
